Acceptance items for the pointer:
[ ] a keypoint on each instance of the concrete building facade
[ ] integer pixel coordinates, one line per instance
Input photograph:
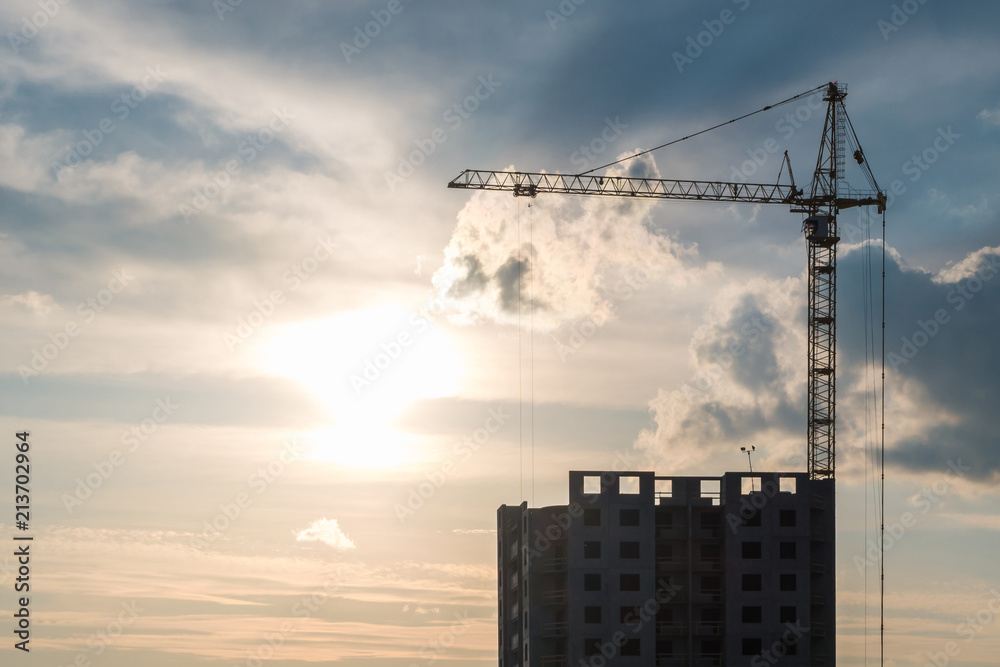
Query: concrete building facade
(639, 569)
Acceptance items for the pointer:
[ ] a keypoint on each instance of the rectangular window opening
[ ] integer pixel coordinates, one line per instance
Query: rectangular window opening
(628, 485)
(750, 485)
(628, 550)
(592, 484)
(631, 647)
(786, 484)
(628, 582)
(751, 549)
(628, 517)
(787, 615)
(752, 645)
(752, 614)
(664, 488)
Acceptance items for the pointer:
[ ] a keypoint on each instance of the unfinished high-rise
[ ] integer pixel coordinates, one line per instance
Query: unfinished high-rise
(639, 569)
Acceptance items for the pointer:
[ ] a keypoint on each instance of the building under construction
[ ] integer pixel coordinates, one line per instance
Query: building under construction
(639, 569)
(733, 570)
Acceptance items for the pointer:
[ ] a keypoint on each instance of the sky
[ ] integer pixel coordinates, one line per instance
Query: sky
(277, 378)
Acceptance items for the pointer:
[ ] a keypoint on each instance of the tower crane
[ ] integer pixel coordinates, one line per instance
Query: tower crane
(826, 197)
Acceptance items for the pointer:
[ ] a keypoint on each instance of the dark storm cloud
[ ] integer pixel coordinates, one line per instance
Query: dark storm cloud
(509, 278)
(474, 280)
(747, 332)
(941, 335)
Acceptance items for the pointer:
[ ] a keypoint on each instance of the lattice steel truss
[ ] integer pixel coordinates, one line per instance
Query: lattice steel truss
(823, 201)
(822, 343)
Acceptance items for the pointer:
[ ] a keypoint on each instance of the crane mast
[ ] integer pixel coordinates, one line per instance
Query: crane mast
(822, 238)
(821, 206)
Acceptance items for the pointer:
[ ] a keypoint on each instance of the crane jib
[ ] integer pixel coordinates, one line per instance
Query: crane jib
(827, 194)
(530, 184)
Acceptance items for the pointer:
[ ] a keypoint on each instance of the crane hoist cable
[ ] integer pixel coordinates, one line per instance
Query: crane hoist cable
(882, 462)
(520, 381)
(531, 306)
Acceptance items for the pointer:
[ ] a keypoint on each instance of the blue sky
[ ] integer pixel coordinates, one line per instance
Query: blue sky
(236, 291)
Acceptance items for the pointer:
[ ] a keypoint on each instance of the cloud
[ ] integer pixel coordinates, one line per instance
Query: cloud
(746, 386)
(427, 610)
(39, 304)
(567, 254)
(991, 116)
(326, 531)
(474, 531)
(749, 361)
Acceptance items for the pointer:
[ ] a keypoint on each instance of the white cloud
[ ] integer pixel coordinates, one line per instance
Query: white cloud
(990, 116)
(39, 304)
(474, 531)
(571, 256)
(326, 531)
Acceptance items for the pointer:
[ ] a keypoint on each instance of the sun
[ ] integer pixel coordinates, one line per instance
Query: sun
(365, 367)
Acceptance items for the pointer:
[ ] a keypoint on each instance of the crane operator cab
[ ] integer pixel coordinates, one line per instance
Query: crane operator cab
(816, 227)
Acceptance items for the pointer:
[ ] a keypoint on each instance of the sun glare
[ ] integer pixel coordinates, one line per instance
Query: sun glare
(365, 367)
